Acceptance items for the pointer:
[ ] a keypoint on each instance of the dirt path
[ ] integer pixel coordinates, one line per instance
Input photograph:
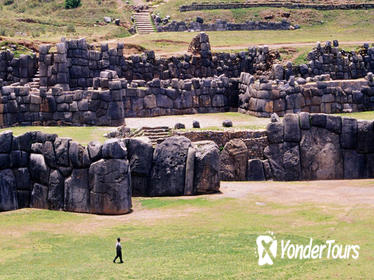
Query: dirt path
(342, 192)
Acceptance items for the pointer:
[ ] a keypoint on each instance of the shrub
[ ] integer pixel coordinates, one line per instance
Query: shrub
(71, 4)
(8, 2)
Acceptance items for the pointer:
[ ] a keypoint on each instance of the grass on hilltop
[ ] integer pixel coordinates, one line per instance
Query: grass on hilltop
(175, 238)
(49, 20)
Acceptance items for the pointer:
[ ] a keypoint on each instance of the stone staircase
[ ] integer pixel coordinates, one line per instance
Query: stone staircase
(155, 134)
(143, 22)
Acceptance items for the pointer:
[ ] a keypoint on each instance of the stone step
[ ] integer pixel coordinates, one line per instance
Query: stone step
(153, 136)
(157, 132)
(155, 127)
(143, 22)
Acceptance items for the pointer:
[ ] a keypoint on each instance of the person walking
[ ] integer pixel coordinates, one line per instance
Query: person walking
(118, 251)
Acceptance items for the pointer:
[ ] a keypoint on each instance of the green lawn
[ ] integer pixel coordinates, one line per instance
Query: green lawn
(80, 134)
(182, 238)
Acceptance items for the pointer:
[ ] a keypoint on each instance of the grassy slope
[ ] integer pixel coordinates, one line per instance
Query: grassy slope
(49, 20)
(199, 239)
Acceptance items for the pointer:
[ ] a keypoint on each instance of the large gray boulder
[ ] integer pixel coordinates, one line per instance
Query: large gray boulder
(39, 196)
(76, 192)
(233, 161)
(24, 186)
(169, 167)
(355, 165)
(140, 154)
(284, 160)
(49, 154)
(255, 170)
(348, 138)
(114, 148)
(56, 190)
(206, 175)
(321, 157)
(365, 136)
(8, 191)
(61, 146)
(6, 141)
(110, 184)
(94, 150)
(292, 132)
(39, 171)
(78, 155)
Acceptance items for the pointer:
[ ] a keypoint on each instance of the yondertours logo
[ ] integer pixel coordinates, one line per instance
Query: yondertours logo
(267, 247)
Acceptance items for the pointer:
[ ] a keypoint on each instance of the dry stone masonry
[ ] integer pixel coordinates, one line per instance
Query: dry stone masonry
(45, 171)
(276, 4)
(222, 25)
(318, 147)
(262, 97)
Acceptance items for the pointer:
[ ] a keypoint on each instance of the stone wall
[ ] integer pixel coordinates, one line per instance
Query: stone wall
(174, 97)
(20, 105)
(76, 63)
(263, 97)
(238, 5)
(45, 171)
(319, 147)
(255, 140)
(17, 70)
(301, 147)
(330, 59)
(222, 25)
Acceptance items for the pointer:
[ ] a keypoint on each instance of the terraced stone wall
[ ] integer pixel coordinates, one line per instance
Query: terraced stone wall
(263, 97)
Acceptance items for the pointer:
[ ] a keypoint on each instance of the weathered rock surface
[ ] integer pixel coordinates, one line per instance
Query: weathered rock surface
(39, 196)
(76, 192)
(169, 167)
(6, 141)
(255, 170)
(78, 155)
(355, 165)
(291, 128)
(56, 190)
(139, 153)
(284, 160)
(62, 151)
(8, 192)
(233, 161)
(321, 156)
(110, 183)
(39, 171)
(206, 175)
(190, 170)
(114, 148)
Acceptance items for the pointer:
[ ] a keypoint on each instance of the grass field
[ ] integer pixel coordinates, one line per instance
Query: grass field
(80, 134)
(347, 26)
(207, 237)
